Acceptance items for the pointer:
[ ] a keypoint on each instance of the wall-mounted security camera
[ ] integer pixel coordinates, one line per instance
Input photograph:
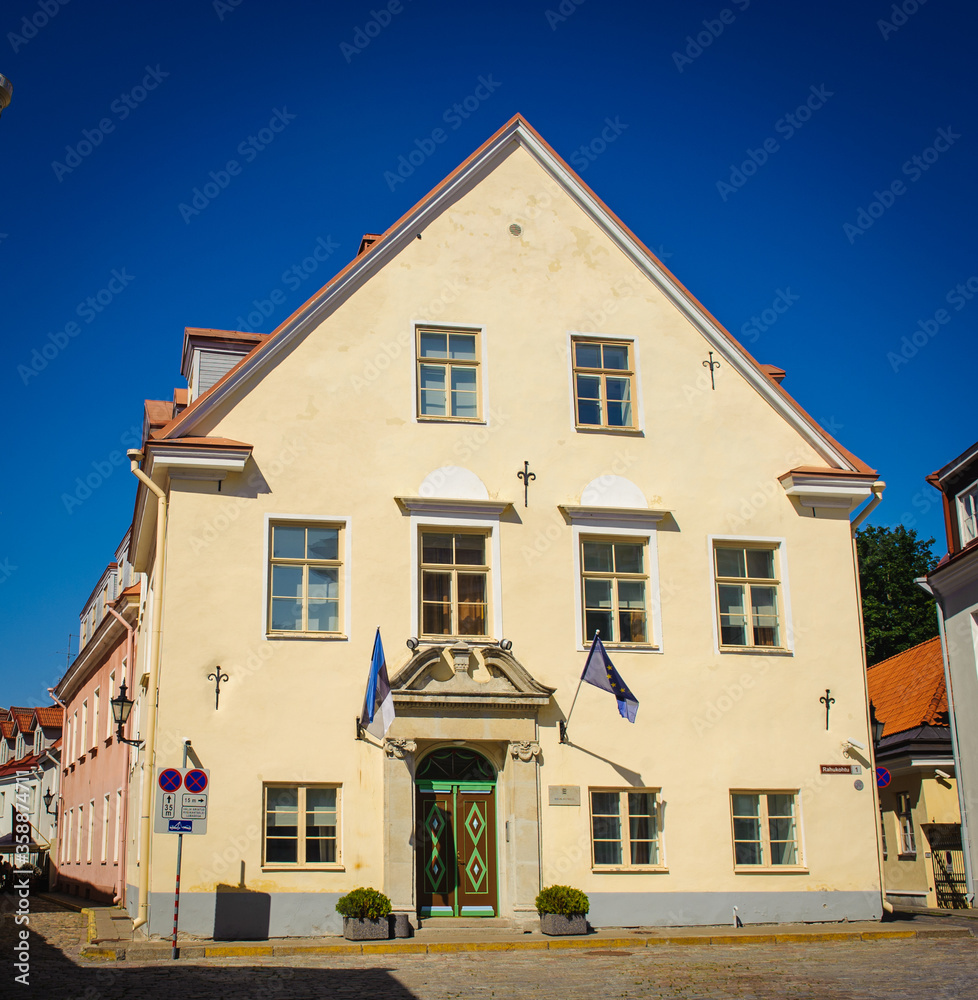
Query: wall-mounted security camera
(940, 773)
(854, 743)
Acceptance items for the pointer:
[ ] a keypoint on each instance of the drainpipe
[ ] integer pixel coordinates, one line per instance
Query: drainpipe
(955, 752)
(120, 891)
(874, 501)
(149, 757)
(54, 697)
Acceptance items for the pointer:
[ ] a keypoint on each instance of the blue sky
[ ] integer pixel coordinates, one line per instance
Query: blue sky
(765, 150)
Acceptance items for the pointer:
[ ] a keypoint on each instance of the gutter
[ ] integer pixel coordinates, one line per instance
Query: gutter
(120, 892)
(149, 757)
(869, 507)
(923, 583)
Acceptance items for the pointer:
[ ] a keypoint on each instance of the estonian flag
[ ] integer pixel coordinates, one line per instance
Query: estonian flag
(378, 700)
(600, 671)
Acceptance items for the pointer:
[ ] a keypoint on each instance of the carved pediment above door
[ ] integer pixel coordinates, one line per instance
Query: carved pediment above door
(477, 677)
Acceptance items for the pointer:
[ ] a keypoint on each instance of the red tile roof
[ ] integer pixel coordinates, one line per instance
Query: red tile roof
(50, 715)
(7, 727)
(908, 689)
(24, 717)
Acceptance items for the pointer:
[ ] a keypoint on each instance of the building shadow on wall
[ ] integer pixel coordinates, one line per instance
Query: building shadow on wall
(241, 915)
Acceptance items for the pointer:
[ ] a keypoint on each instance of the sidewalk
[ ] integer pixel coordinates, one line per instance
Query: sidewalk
(428, 941)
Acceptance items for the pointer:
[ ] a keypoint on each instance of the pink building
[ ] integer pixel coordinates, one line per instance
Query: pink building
(90, 855)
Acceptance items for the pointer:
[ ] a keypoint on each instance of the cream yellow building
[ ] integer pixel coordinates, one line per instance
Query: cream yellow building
(358, 468)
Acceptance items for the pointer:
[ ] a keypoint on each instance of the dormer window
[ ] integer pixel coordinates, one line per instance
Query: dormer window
(967, 511)
(4, 752)
(38, 740)
(21, 747)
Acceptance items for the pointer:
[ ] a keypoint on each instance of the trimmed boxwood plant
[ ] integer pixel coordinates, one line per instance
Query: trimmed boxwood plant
(564, 900)
(364, 904)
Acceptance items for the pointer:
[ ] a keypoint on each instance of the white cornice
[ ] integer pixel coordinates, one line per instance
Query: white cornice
(449, 505)
(623, 515)
(962, 571)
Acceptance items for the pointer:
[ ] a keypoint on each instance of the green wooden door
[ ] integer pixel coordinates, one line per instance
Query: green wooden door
(456, 836)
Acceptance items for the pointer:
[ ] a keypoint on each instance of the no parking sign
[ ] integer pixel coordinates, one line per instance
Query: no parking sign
(181, 800)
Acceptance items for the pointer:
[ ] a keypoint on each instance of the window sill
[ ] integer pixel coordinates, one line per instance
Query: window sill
(315, 636)
(907, 856)
(422, 419)
(770, 870)
(621, 648)
(594, 429)
(303, 868)
(758, 650)
(634, 870)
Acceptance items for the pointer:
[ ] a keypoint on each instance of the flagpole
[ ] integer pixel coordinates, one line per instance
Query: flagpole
(562, 725)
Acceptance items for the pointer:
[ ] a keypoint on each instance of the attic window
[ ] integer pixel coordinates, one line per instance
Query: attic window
(968, 514)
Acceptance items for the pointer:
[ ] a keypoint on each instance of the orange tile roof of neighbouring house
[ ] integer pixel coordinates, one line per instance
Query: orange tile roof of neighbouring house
(50, 715)
(24, 717)
(908, 689)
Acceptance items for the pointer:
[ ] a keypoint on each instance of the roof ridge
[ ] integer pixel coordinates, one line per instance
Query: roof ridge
(903, 652)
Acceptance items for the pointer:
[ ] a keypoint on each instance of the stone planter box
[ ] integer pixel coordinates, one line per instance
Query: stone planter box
(558, 923)
(362, 929)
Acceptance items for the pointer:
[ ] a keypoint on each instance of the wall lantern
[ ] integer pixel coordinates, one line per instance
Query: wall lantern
(48, 799)
(121, 707)
(875, 724)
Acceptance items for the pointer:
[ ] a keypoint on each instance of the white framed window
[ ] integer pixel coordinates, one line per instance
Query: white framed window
(74, 736)
(21, 746)
(616, 575)
(84, 728)
(455, 578)
(105, 828)
(96, 708)
(448, 384)
(81, 832)
(91, 830)
(765, 829)
(476, 600)
(307, 578)
(4, 752)
(69, 818)
(967, 503)
(302, 828)
(615, 582)
(625, 828)
(118, 826)
(605, 376)
(112, 694)
(38, 740)
(751, 608)
(904, 810)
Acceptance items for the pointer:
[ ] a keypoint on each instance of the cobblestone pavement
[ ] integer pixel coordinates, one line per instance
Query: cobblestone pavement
(892, 970)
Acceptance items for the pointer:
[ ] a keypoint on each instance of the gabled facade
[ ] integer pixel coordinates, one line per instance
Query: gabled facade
(919, 816)
(954, 584)
(359, 469)
(90, 859)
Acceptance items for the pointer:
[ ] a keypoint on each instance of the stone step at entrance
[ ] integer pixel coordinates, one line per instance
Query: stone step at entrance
(467, 924)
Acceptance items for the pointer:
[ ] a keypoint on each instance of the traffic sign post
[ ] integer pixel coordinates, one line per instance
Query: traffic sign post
(181, 807)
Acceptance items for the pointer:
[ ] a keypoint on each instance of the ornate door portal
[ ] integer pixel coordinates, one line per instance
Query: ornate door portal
(456, 835)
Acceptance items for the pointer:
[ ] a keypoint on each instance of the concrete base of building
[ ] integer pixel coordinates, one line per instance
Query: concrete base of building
(258, 916)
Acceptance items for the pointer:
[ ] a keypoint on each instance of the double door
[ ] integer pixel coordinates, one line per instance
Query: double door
(456, 849)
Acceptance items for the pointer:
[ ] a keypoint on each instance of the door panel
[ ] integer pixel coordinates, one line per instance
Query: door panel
(437, 866)
(476, 832)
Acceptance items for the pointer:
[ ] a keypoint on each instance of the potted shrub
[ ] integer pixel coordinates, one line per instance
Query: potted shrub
(364, 912)
(563, 910)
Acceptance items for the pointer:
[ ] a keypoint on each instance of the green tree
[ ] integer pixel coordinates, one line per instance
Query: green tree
(897, 613)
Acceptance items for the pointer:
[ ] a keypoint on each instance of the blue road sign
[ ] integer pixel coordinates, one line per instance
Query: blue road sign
(170, 779)
(882, 777)
(181, 826)
(195, 781)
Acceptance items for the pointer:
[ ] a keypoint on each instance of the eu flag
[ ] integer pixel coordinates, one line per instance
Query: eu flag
(600, 671)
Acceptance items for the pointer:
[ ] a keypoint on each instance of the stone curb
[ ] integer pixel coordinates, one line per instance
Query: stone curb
(148, 951)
